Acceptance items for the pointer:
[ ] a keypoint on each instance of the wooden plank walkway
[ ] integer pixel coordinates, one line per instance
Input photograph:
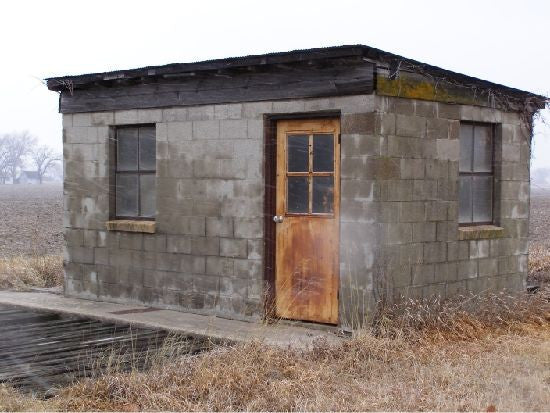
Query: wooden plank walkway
(40, 351)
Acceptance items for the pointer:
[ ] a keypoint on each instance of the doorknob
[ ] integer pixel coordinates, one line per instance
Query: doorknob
(278, 219)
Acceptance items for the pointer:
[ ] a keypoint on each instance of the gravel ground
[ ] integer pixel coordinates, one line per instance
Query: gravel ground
(31, 219)
(32, 222)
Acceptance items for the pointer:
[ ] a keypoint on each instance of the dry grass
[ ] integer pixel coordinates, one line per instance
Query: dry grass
(539, 263)
(21, 273)
(425, 355)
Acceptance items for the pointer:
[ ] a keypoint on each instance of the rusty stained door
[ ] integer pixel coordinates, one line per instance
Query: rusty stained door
(307, 220)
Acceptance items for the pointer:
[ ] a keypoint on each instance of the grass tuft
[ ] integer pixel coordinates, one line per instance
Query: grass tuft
(22, 272)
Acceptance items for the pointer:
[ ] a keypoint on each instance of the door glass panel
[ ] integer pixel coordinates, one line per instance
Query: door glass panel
(466, 143)
(147, 152)
(127, 195)
(482, 189)
(127, 149)
(298, 153)
(147, 195)
(323, 153)
(323, 194)
(298, 194)
(465, 200)
(483, 149)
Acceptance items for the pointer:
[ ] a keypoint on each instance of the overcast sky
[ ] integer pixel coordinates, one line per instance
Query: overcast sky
(505, 42)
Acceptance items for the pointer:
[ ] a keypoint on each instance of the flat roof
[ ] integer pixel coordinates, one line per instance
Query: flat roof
(368, 53)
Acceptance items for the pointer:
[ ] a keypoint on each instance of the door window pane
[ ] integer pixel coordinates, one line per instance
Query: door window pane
(147, 150)
(127, 149)
(483, 149)
(323, 194)
(298, 194)
(466, 146)
(323, 153)
(147, 195)
(127, 195)
(465, 200)
(482, 193)
(298, 153)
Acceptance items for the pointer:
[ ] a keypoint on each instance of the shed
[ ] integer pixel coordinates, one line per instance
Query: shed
(309, 184)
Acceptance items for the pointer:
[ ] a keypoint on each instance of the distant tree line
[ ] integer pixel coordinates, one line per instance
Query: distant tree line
(20, 147)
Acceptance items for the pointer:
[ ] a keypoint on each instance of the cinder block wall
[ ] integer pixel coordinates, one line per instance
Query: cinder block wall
(399, 208)
(207, 253)
(415, 164)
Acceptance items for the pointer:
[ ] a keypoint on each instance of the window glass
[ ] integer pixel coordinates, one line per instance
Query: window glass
(483, 153)
(298, 153)
(127, 195)
(147, 195)
(466, 148)
(298, 194)
(147, 150)
(323, 153)
(482, 194)
(465, 200)
(127, 149)
(323, 194)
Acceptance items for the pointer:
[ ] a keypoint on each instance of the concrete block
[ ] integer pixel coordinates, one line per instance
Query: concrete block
(205, 246)
(358, 123)
(435, 252)
(411, 254)
(479, 249)
(446, 271)
(424, 232)
(126, 117)
(232, 169)
(154, 242)
(236, 248)
(179, 131)
(487, 267)
(234, 129)
(219, 226)
(131, 241)
(255, 249)
(256, 129)
(191, 264)
(411, 126)
(437, 128)
(397, 190)
(436, 210)
(355, 145)
(398, 233)
(250, 269)
(467, 269)
(402, 106)
(178, 244)
(219, 266)
(174, 114)
(456, 288)
(248, 228)
(424, 190)
(412, 168)
(228, 111)
(385, 124)
(205, 112)
(82, 119)
(423, 274)
(448, 149)
(412, 212)
(288, 106)
(248, 149)
(405, 147)
(426, 109)
(448, 111)
(256, 110)
(149, 115)
(511, 153)
(206, 129)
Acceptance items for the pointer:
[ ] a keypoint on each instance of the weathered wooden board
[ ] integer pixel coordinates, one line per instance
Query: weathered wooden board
(296, 81)
(41, 351)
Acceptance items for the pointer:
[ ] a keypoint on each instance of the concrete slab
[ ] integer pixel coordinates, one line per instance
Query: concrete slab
(195, 325)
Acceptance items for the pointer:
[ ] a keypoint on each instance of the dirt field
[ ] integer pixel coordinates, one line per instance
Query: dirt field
(31, 221)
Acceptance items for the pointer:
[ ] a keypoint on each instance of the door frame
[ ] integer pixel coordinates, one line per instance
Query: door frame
(270, 196)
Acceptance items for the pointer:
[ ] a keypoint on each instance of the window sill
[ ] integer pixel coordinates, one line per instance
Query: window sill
(128, 225)
(480, 232)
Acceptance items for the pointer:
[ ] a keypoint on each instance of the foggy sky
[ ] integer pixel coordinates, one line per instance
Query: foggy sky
(504, 42)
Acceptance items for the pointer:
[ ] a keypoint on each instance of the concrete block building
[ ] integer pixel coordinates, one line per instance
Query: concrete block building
(309, 184)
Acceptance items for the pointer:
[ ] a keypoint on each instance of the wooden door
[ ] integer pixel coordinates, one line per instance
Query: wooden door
(307, 220)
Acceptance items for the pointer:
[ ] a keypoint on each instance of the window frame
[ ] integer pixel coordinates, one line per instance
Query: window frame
(492, 131)
(138, 172)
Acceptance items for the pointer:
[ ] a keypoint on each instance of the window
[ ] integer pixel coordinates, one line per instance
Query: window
(135, 172)
(476, 174)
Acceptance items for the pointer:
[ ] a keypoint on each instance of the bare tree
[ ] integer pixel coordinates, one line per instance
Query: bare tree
(44, 157)
(17, 146)
(3, 160)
